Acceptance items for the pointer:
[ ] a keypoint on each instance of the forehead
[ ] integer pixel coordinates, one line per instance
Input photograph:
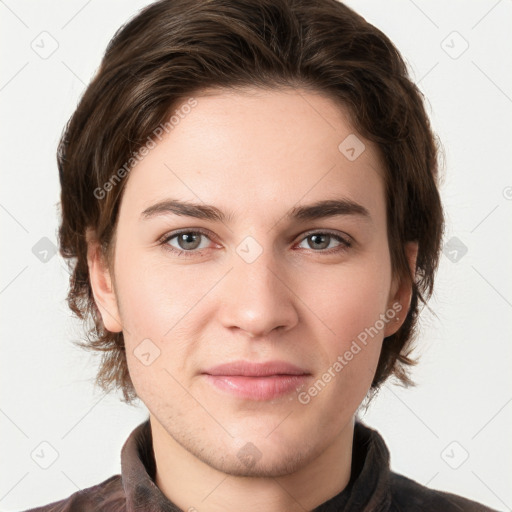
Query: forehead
(259, 149)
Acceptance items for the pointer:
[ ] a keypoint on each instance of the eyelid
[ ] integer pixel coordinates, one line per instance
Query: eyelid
(343, 236)
(345, 239)
(171, 234)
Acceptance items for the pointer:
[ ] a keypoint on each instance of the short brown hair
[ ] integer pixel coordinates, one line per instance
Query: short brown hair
(172, 50)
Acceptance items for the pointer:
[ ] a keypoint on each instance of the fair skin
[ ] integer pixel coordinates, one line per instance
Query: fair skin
(254, 155)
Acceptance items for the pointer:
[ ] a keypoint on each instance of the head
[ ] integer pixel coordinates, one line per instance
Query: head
(255, 111)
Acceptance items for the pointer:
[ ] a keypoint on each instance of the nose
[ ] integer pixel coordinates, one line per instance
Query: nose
(257, 297)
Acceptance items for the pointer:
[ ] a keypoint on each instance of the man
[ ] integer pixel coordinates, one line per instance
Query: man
(249, 193)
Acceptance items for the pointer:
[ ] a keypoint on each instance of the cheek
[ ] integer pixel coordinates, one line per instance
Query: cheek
(350, 299)
(351, 304)
(153, 296)
(163, 315)
(154, 302)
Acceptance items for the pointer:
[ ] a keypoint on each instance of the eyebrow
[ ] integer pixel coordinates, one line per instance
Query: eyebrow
(318, 210)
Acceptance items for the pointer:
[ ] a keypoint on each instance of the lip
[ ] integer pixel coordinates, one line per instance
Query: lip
(248, 369)
(257, 381)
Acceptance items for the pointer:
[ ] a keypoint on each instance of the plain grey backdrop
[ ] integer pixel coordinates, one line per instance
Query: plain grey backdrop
(451, 432)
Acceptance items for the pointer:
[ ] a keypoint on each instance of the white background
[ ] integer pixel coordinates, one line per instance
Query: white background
(462, 405)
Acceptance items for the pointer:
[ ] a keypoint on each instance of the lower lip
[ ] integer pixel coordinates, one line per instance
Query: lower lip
(257, 388)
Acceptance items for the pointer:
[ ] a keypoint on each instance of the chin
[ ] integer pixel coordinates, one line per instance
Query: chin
(251, 463)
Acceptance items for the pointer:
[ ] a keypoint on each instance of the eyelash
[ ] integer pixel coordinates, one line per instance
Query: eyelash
(164, 241)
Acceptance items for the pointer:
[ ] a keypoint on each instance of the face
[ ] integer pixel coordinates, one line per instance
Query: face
(254, 274)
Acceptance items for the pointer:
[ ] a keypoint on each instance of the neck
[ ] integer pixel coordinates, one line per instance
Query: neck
(194, 486)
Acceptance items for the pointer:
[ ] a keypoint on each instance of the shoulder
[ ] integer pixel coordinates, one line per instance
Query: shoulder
(410, 496)
(109, 492)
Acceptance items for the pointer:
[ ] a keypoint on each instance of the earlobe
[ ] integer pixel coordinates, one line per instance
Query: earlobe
(102, 286)
(400, 300)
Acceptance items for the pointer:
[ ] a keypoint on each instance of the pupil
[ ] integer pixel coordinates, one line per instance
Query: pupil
(317, 240)
(189, 238)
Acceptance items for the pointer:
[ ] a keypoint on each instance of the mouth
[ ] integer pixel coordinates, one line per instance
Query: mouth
(257, 381)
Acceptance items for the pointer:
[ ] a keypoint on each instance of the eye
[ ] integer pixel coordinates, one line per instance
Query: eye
(192, 242)
(321, 242)
(186, 241)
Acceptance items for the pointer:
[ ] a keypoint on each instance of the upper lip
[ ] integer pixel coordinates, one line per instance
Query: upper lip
(248, 369)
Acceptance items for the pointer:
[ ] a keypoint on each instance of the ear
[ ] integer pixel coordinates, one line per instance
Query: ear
(401, 292)
(101, 284)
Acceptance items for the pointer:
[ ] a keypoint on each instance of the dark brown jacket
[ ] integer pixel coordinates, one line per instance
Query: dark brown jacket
(373, 487)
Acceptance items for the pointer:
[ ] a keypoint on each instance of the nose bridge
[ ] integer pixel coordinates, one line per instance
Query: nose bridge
(257, 298)
(257, 273)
